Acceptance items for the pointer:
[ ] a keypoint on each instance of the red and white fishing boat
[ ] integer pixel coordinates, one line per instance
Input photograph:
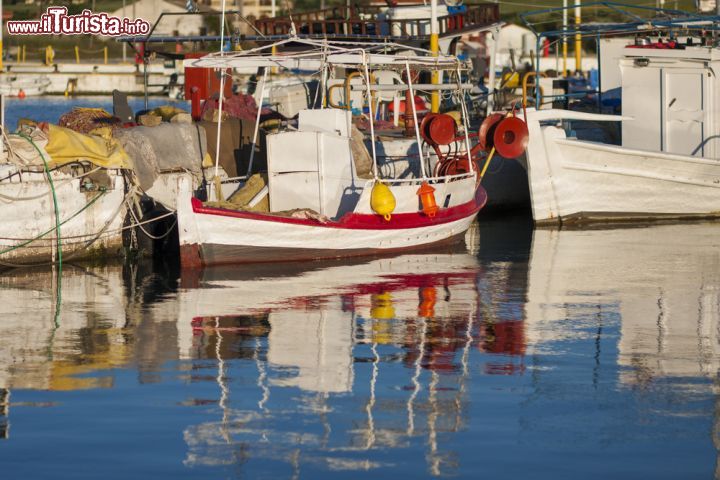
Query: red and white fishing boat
(329, 193)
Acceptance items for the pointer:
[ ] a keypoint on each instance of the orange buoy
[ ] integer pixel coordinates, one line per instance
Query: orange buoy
(428, 298)
(21, 94)
(427, 199)
(442, 129)
(487, 130)
(511, 137)
(438, 129)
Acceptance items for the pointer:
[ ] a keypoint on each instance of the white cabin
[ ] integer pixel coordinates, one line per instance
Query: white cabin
(672, 97)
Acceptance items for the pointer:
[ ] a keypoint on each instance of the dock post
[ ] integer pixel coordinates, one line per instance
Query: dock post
(105, 52)
(77, 54)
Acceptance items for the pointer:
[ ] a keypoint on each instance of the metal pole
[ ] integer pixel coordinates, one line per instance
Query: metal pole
(537, 76)
(491, 71)
(414, 114)
(578, 37)
(564, 38)
(124, 45)
(372, 117)
(145, 77)
(257, 124)
(599, 70)
(2, 25)
(2, 120)
(435, 49)
(221, 94)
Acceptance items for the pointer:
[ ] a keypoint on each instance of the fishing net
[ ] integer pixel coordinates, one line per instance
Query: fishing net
(85, 120)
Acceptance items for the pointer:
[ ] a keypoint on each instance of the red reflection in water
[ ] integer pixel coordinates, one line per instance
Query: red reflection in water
(437, 341)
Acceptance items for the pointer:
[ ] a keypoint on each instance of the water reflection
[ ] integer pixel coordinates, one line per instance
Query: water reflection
(661, 284)
(518, 345)
(335, 330)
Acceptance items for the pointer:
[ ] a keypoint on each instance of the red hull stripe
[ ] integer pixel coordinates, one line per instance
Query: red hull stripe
(359, 221)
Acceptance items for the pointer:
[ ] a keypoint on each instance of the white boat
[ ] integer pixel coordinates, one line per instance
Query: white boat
(65, 195)
(667, 166)
(90, 215)
(12, 86)
(320, 200)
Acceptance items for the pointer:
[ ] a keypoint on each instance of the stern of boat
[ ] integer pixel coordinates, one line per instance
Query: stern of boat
(188, 231)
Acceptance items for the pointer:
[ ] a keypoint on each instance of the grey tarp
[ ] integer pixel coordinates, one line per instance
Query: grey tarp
(166, 147)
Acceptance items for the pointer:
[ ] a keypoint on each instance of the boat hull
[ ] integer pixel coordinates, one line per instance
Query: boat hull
(211, 236)
(578, 181)
(219, 254)
(92, 221)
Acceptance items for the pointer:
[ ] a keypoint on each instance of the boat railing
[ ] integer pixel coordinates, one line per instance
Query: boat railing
(346, 12)
(343, 21)
(419, 180)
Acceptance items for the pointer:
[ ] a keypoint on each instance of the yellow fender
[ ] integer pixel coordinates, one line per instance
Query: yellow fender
(382, 200)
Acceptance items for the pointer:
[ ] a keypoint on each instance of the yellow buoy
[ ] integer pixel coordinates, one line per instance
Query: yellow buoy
(382, 306)
(382, 201)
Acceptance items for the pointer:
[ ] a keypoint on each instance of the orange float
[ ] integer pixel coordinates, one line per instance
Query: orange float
(511, 137)
(427, 200)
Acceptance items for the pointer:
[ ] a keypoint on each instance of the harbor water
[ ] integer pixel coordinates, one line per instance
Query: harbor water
(518, 353)
(50, 108)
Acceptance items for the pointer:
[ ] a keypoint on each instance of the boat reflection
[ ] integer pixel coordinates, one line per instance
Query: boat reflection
(639, 309)
(659, 285)
(334, 330)
(55, 339)
(339, 366)
(345, 358)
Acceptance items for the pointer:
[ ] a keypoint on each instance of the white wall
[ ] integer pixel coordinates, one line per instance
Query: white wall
(150, 10)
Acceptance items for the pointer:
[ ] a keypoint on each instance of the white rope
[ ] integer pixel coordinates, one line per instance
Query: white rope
(140, 224)
(57, 185)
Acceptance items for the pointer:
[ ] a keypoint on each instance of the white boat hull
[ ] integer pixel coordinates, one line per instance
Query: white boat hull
(572, 180)
(27, 230)
(211, 236)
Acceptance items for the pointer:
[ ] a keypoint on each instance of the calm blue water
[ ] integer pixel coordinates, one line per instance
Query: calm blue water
(50, 108)
(521, 354)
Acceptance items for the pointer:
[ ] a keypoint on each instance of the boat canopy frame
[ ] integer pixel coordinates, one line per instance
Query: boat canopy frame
(320, 56)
